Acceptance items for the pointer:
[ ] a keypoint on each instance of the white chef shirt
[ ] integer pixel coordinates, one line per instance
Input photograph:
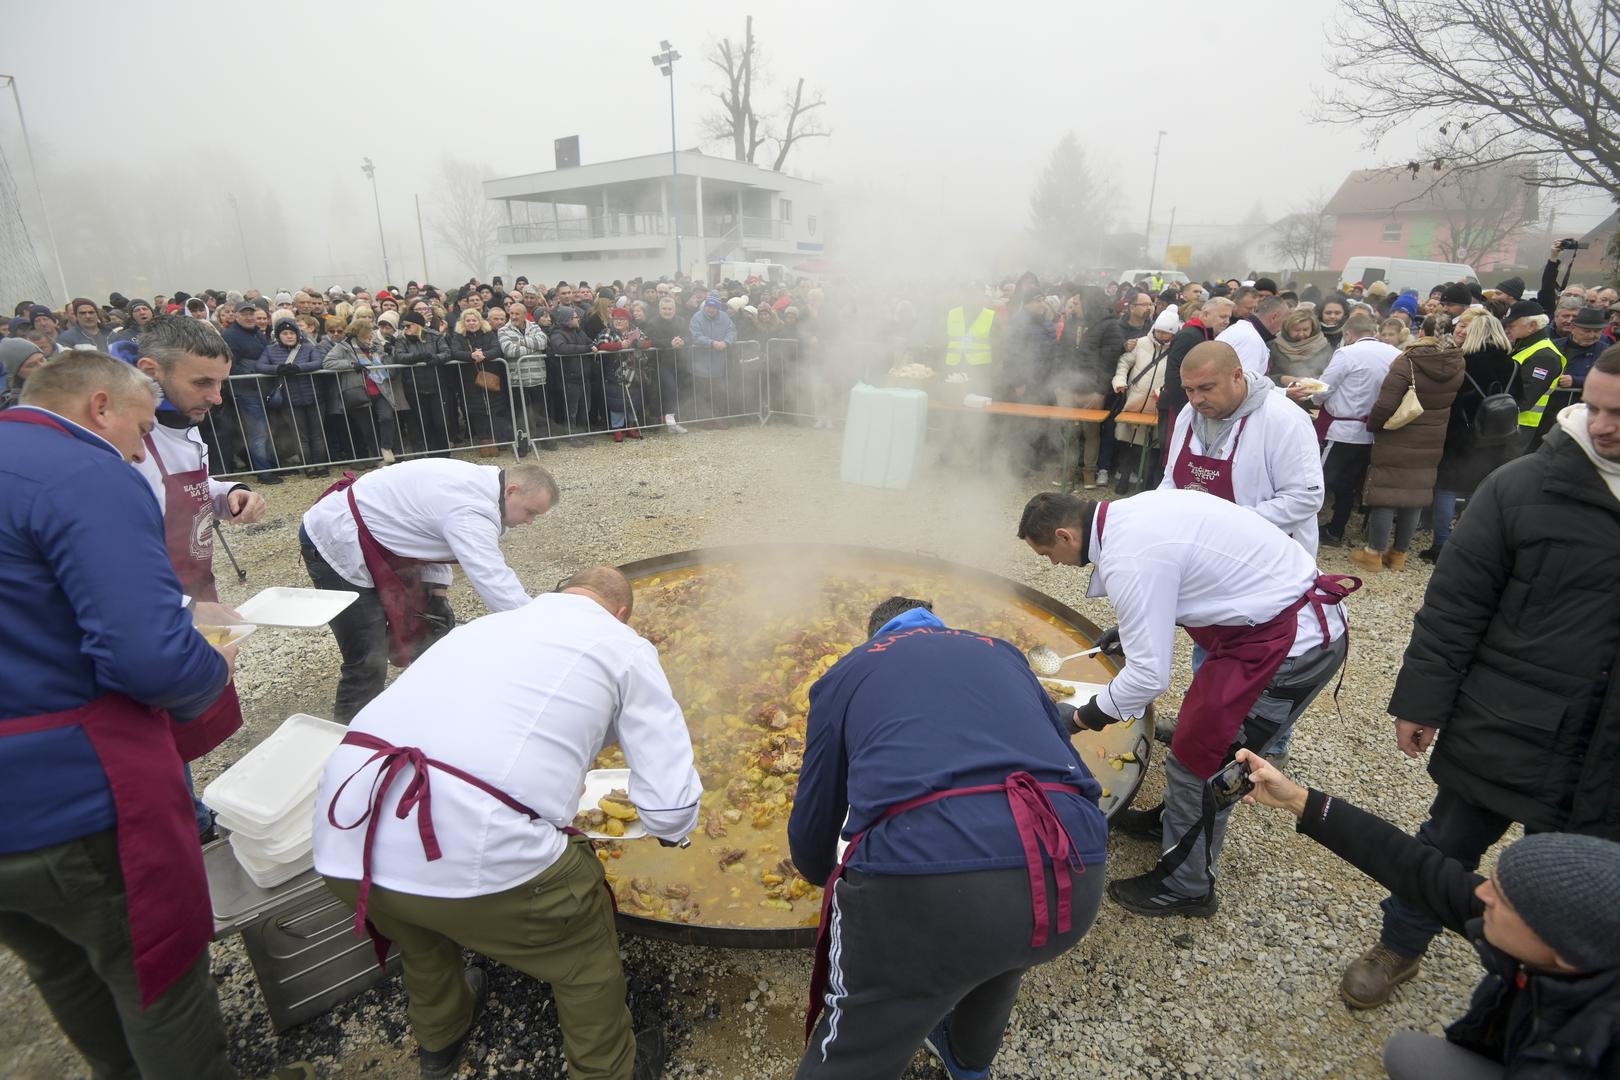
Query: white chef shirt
(183, 450)
(1188, 558)
(437, 509)
(1277, 470)
(524, 700)
(1354, 377)
(1251, 348)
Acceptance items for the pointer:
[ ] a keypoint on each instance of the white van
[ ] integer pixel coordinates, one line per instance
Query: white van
(1402, 274)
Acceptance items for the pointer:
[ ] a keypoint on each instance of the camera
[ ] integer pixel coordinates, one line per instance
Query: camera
(1230, 784)
(1571, 244)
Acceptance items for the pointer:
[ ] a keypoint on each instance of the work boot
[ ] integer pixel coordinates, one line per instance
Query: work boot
(442, 1064)
(1394, 560)
(1367, 559)
(650, 1053)
(1145, 824)
(1372, 979)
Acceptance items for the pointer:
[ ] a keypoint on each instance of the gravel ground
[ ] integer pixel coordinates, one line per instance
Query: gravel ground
(1249, 992)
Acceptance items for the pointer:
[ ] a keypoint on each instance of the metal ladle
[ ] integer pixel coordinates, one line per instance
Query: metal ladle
(1045, 660)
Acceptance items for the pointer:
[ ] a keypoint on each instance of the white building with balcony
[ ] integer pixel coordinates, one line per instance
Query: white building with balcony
(629, 218)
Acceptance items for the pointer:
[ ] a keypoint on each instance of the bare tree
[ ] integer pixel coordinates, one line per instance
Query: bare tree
(1484, 210)
(1493, 83)
(463, 220)
(1305, 237)
(1071, 207)
(739, 121)
(796, 127)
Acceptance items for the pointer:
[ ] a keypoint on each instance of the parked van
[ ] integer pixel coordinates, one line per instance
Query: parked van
(769, 272)
(1402, 274)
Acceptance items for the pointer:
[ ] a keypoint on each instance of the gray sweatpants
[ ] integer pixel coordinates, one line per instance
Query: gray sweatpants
(1297, 683)
(1412, 1055)
(906, 950)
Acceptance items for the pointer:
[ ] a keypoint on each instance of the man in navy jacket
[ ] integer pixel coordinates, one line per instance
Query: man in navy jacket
(947, 894)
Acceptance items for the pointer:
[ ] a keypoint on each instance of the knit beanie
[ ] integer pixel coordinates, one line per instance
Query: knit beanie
(1564, 886)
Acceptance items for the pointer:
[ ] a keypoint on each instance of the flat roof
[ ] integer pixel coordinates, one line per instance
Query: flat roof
(639, 169)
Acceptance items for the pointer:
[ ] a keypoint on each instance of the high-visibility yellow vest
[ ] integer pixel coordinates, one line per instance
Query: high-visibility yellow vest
(971, 343)
(1531, 417)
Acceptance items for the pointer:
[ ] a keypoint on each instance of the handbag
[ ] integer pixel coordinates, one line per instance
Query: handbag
(488, 381)
(1410, 407)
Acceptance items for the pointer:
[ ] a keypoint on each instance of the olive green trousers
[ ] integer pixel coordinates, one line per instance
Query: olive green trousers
(557, 927)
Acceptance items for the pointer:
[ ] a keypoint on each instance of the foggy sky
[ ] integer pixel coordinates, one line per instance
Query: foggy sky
(172, 105)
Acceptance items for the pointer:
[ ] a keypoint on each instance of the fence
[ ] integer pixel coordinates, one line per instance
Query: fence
(275, 423)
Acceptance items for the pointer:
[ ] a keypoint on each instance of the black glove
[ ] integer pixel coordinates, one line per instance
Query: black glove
(1066, 713)
(289, 368)
(438, 613)
(1109, 642)
(1091, 715)
(359, 367)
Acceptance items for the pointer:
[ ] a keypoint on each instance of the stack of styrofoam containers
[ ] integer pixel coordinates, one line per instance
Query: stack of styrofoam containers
(267, 799)
(883, 435)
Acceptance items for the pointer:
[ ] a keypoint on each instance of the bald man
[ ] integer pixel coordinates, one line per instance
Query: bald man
(1241, 439)
(506, 714)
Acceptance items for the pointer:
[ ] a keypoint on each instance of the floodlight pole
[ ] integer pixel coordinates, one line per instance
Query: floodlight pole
(665, 62)
(44, 212)
(1153, 189)
(371, 174)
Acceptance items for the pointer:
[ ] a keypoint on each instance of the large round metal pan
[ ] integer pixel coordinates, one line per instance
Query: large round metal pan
(1123, 784)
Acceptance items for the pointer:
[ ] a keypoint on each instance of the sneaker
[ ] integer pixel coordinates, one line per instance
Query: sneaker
(672, 426)
(1145, 824)
(618, 436)
(442, 1064)
(268, 479)
(650, 1054)
(389, 457)
(1146, 894)
(632, 433)
(1372, 978)
(1102, 477)
(1328, 538)
(938, 1043)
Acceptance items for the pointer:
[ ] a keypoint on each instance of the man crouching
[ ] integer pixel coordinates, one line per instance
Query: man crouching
(994, 865)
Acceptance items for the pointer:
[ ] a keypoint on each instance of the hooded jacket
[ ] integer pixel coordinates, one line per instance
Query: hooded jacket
(1173, 398)
(1405, 462)
(1514, 652)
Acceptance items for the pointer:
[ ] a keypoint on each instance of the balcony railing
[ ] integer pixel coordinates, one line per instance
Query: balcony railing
(595, 227)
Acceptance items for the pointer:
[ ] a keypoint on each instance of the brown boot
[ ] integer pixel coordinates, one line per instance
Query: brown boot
(1394, 560)
(1088, 477)
(1367, 559)
(1371, 979)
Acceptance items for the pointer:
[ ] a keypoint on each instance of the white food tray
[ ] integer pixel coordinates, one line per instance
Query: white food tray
(598, 782)
(273, 780)
(301, 609)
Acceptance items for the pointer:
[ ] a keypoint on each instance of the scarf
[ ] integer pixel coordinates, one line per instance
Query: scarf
(1299, 351)
(1572, 419)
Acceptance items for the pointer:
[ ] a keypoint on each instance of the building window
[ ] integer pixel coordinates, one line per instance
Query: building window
(1392, 232)
(787, 209)
(810, 222)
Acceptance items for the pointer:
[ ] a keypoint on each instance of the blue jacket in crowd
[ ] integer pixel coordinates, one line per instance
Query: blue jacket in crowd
(921, 709)
(707, 361)
(89, 605)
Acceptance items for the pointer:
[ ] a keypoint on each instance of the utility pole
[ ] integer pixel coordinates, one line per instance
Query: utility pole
(371, 174)
(33, 169)
(230, 197)
(665, 62)
(1153, 189)
(420, 239)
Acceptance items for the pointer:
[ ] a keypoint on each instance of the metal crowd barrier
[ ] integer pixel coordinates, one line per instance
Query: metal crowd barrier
(420, 409)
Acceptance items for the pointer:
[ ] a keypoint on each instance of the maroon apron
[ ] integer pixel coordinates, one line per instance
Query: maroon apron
(1038, 828)
(171, 919)
(1198, 472)
(224, 717)
(188, 526)
(399, 584)
(417, 796)
(1325, 419)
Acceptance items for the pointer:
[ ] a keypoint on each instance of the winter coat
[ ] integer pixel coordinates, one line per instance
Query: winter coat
(1100, 348)
(1514, 653)
(461, 349)
(347, 358)
(525, 340)
(1539, 1025)
(620, 364)
(1466, 462)
(707, 361)
(1405, 461)
(246, 347)
(565, 343)
(1142, 386)
(1173, 398)
(300, 389)
(424, 357)
(1578, 362)
(1028, 357)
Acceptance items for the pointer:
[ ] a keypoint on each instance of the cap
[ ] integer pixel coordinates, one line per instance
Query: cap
(36, 310)
(1523, 309)
(1456, 294)
(247, 305)
(412, 318)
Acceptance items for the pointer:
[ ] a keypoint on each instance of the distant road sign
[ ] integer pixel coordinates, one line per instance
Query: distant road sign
(1179, 255)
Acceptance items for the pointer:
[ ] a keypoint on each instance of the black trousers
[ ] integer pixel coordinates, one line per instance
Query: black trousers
(361, 631)
(1343, 470)
(907, 950)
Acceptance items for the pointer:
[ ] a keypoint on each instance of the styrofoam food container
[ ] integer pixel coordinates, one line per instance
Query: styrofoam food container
(282, 845)
(275, 778)
(298, 819)
(301, 609)
(598, 782)
(238, 631)
(267, 874)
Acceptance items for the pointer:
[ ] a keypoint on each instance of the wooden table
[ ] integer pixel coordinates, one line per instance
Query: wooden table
(1059, 412)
